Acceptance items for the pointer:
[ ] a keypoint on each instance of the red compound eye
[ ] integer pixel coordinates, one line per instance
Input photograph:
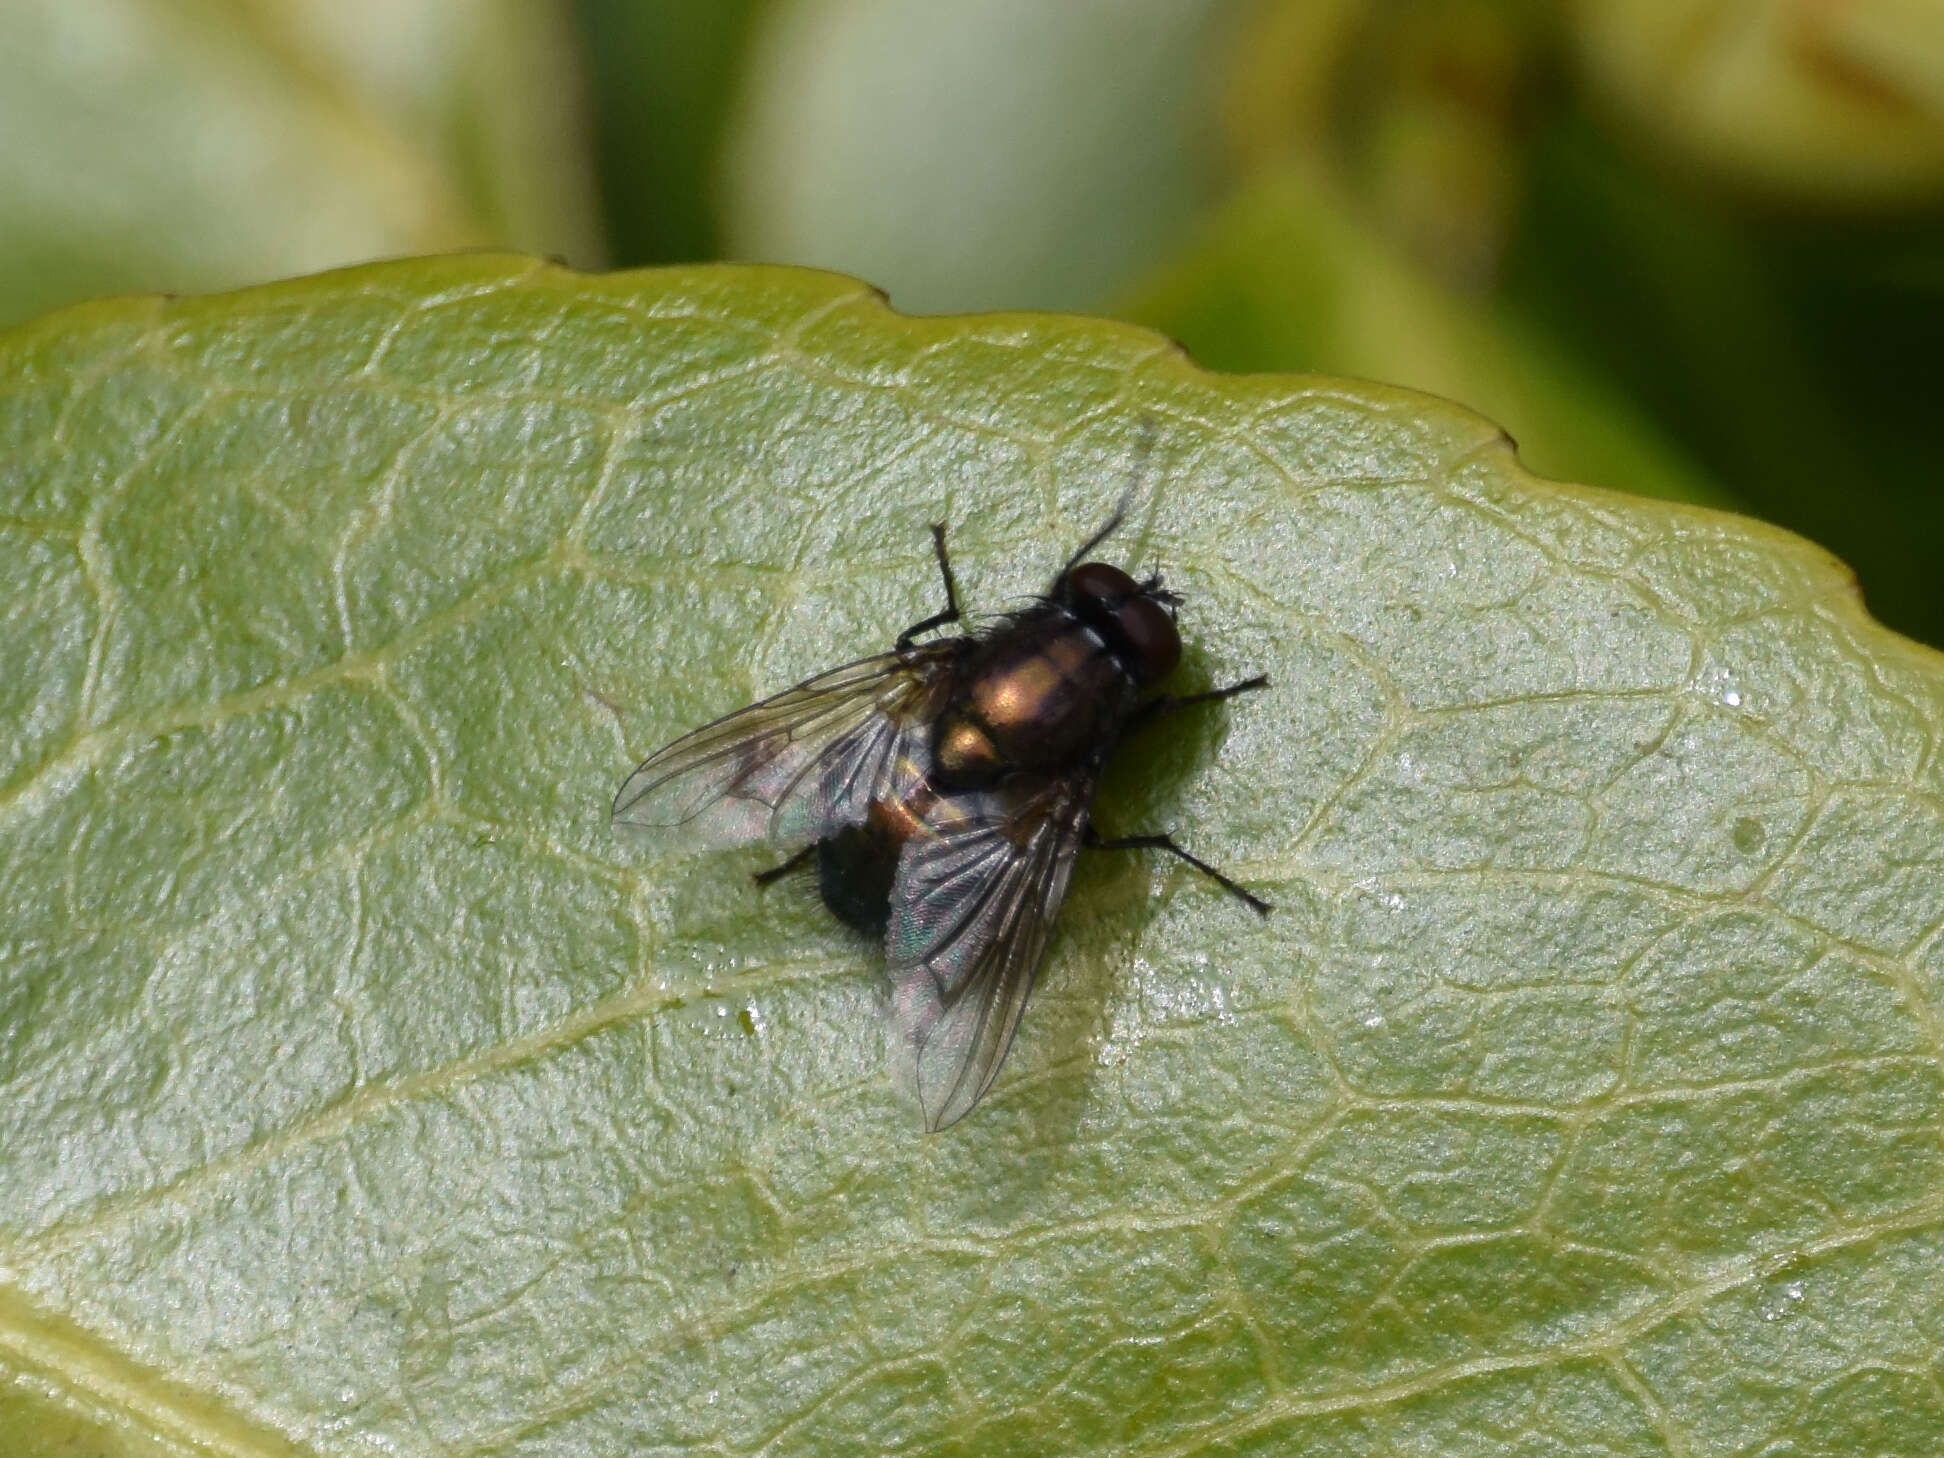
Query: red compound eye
(1144, 625)
(1098, 579)
(1150, 631)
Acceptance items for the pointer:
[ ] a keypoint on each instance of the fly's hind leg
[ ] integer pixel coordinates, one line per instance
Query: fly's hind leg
(795, 863)
(1167, 843)
(951, 614)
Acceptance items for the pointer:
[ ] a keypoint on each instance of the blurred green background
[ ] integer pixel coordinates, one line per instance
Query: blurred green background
(1677, 247)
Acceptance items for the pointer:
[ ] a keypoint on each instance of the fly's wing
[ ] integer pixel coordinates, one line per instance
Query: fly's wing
(800, 764)
(971, 910)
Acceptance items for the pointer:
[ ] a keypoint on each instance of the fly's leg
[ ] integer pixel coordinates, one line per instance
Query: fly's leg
(951, 613)
(1168, 703)
(1167, 843)
(1150, 711)
(795, 863)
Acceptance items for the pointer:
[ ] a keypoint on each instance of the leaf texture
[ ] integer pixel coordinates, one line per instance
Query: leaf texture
(361, 1092)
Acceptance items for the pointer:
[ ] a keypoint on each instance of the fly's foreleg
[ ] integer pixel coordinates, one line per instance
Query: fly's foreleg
(951, 613)
(1154, 708)
(1167, 843)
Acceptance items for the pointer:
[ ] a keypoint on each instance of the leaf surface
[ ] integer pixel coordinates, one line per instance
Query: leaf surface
(360, 1092)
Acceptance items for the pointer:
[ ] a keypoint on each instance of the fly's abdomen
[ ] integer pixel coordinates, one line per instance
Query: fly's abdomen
(1042, 694)
(855, 869)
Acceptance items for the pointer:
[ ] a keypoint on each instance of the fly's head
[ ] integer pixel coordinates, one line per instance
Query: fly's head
(1136, 618)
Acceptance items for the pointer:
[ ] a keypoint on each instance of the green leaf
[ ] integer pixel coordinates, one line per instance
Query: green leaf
(359, 1092)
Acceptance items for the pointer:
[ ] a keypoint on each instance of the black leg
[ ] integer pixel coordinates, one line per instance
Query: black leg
(1167, 843)
(1168, 703)
(951, 613)
(795, 863)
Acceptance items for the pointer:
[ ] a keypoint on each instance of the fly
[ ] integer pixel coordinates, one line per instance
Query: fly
(941, 791)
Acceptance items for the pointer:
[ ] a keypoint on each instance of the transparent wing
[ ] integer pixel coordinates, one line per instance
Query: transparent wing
(971, 910)
(798, 765)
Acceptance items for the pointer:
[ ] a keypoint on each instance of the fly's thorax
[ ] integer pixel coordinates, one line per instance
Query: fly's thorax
(1043, 693)
(963, 750)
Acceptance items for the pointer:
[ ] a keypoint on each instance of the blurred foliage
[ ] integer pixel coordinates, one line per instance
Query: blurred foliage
(1681, 247)
(1807, 103)
(199, 144)
(1287, 273)
(1416, 111)
(1799, 362)
(1006, 154)
(665, 74)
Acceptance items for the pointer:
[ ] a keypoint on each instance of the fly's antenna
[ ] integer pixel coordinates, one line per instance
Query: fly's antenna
(1142, 453)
